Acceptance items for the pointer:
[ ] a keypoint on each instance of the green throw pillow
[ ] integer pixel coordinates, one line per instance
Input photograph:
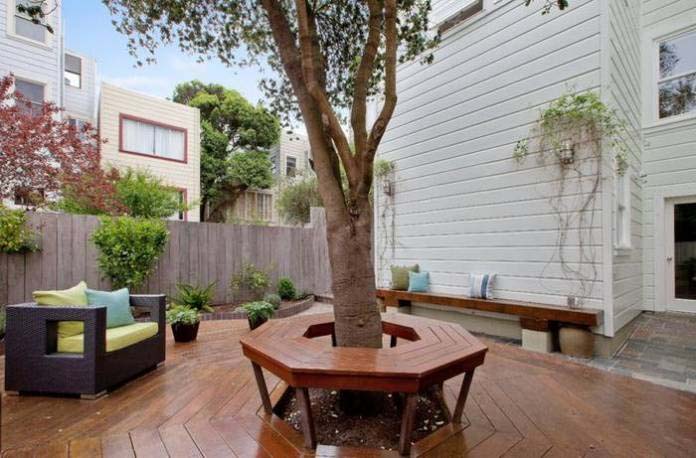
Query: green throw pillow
(400, 276)
(118, 311)
(74, 297)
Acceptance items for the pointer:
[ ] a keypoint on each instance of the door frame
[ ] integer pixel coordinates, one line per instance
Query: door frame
(664, 247)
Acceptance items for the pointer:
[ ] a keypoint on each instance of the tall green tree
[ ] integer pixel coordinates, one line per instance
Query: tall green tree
(330, 58)
(235, 139)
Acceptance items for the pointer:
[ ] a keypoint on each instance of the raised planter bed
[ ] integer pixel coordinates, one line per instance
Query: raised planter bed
(286, 309)
(434, 351)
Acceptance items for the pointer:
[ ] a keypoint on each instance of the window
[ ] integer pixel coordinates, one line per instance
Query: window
(623, 211)
(290, 166)
(24, 25)
(78, 124)
(677, 80)
(73, 71)
(472, 8)
(33, 93)
(139, 136)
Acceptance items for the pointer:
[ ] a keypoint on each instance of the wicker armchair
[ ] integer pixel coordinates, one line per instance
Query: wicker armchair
(32, 363)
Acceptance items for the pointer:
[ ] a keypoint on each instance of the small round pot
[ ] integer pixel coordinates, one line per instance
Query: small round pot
(255, 324)
(576, 342)
(185, 332)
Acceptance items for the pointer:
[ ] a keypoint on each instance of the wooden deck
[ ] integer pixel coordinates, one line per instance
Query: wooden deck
(204, 402)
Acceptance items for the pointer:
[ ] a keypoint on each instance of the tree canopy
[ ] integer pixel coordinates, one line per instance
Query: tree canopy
(235, 139)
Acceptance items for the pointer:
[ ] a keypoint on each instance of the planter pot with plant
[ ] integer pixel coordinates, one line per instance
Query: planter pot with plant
(184, 321)
(198, 298)
(258, 313)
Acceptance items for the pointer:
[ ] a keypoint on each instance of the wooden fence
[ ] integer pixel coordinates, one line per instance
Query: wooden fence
(197, 253)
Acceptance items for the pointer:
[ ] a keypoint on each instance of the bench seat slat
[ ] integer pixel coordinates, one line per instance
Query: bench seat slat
(583, 317)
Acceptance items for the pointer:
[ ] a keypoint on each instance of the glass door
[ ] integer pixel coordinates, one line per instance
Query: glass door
(681, 255)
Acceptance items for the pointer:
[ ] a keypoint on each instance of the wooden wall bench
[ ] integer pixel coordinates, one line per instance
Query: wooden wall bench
(538, 321)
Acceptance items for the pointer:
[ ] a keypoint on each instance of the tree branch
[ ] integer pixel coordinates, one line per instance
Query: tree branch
(308, 53)
(380, 125)
(363, 75)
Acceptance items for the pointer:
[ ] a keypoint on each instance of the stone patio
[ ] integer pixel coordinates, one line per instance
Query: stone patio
(661, 349)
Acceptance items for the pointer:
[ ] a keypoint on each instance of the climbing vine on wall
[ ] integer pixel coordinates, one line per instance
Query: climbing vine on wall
(384, 177)
(575, 138)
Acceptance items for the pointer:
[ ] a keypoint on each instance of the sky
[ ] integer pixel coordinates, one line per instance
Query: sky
(88, 31)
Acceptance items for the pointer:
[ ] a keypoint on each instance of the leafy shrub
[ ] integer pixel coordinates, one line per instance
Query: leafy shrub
(250, 278)
(181, 314)
(198, 298)
(297, 198)
(258, 311)
(15, 236)
(145, 196)
(129, 248)
(273, 299)
(286, 289)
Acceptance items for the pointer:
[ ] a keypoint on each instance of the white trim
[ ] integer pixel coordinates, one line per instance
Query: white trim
(682, 193)
(652, 36)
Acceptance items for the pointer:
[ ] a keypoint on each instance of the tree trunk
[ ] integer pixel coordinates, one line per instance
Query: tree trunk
(358, 322)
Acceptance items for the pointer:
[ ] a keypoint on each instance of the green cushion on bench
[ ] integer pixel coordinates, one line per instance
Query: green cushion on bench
(72, 297)
(399, 276)
(116, 338)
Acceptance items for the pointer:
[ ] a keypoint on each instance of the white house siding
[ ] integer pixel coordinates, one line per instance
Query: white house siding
(29, 60)
(115, 101)
(669, 154)
(80, 102)
(622, 91)
(462, 204)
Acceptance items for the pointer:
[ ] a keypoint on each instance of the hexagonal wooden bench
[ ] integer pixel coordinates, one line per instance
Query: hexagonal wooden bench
(434, 351)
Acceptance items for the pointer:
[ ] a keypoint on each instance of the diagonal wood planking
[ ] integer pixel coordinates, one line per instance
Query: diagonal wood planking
(204, 402)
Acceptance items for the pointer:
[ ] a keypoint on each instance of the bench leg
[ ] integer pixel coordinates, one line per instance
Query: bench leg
(92, 397)
(302, 395)
(392, 341)
(463, 394)
(407, 420)
(263, 390)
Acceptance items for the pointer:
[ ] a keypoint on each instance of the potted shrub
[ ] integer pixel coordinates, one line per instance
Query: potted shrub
(198, 298)
(258, 313)
(286, 289)
(184, 321)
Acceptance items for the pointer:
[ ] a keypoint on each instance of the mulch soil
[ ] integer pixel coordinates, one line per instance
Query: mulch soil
(333, 427)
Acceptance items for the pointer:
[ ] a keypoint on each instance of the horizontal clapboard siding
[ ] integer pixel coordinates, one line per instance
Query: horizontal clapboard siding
(80, 102)
(462, 204)
(623, 94)
(28, 60)
(669, 147)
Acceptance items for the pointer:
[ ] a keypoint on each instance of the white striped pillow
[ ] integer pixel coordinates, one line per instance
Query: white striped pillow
(481, 285)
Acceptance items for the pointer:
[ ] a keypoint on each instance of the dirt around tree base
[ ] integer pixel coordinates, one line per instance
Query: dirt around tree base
(333, 427)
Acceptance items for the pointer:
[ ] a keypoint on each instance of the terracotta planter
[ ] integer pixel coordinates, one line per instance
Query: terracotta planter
(185, 332)
(255, 324)
(576, 342)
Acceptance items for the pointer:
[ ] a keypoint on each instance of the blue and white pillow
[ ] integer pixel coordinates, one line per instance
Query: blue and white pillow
(481, 285)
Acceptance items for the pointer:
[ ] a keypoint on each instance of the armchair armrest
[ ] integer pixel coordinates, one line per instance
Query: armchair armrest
(32, 329)
(156, 305)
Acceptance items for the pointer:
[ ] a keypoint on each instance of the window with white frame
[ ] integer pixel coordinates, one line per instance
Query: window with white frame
(33, 93)
(73, 71)
(622, 235)
(139, 136)
(258, 206)
(676, 83)
(24, 25)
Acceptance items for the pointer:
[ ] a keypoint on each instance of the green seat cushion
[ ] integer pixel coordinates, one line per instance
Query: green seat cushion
(72, 297)
(400, 276)
(118, 311)
(116, 338)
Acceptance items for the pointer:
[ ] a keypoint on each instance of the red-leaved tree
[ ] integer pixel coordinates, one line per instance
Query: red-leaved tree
(40, 153)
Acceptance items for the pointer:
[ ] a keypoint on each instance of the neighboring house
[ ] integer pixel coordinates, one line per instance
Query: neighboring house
(463, 205)
(142, 131)
(291, 157)
(150, 133)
